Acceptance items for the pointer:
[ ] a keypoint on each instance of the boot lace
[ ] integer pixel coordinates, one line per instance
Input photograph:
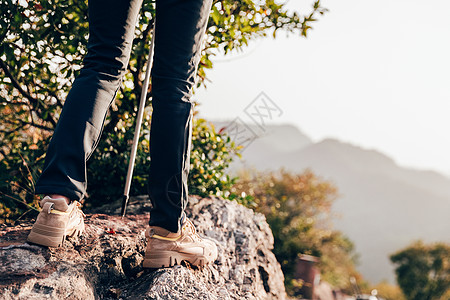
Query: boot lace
(190, 230)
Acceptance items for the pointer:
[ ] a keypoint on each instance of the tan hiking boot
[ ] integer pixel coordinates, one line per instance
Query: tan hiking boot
(56, 220)
(166, 249)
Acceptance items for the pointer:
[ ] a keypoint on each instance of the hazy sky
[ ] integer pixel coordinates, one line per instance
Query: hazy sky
(372, 73)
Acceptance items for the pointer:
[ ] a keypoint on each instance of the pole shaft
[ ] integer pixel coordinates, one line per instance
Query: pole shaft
(137, 129)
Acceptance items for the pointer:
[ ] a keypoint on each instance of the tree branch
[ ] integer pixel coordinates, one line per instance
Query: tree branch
(24, 123)
(37, 126)
(16, 84)
(13, 130)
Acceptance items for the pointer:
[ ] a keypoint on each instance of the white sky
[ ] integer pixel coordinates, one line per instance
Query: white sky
(372, 73)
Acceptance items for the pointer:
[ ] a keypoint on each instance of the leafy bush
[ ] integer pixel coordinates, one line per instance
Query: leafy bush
(423, 271)
(297, 208)
(18, 173)
(107, 168)
(211, 153)
(210, 156)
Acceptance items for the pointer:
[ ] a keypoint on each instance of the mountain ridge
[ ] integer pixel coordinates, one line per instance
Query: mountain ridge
(383, 206)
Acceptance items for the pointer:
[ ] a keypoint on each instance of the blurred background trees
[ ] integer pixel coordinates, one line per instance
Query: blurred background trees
(423, 271)
(298, 210)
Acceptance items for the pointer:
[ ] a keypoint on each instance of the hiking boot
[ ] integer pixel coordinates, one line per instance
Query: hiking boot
(166, 249)
(56, 220)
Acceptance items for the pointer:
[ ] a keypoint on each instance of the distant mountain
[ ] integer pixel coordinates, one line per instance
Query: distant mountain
(280, 138)
(383, 207)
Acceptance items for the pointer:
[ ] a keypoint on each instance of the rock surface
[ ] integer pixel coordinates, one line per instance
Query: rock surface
(105, 263)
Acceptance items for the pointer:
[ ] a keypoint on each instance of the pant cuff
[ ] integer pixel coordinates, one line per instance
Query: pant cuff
(59, 190)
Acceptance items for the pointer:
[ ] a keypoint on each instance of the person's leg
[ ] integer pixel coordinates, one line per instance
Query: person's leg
(111, 32)
(180, 27)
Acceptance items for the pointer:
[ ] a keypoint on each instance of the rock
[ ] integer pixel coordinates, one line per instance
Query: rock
(106, 262)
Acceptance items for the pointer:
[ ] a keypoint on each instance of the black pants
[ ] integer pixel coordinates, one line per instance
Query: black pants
(180, 27)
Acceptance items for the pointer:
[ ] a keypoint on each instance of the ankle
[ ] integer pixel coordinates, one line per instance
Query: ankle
(56, 196)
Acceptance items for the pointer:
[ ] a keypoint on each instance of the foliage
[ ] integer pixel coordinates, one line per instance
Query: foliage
(42, 44)
(297, 208)
(109, 163)
(210, 156)
(423, 271)
(212, 152)
(17, 179)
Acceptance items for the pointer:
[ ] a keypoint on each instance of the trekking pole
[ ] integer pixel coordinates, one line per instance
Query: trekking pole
(140, 114)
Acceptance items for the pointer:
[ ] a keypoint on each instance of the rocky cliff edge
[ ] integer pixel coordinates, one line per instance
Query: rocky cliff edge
(106, 262)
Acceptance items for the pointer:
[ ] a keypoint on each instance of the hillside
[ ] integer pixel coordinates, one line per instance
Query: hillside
(382, 206)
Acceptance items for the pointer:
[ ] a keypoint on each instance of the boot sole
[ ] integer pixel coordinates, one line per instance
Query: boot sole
(52, 237)
(165, 259)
